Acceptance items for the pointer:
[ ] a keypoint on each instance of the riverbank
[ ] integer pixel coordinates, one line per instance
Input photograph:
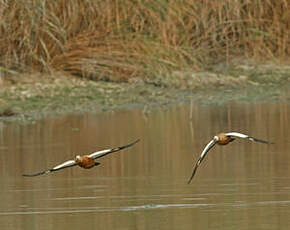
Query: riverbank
(30, 98)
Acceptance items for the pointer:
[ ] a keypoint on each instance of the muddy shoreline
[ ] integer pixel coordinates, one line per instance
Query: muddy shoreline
(37, 97)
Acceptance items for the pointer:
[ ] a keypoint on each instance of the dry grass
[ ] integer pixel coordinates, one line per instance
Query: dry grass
(121, 39)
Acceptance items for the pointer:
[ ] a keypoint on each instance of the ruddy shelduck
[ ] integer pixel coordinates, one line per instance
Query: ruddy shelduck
(85, 161)
(222, 139)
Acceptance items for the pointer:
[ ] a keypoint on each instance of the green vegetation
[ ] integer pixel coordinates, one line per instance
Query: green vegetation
(65, 94)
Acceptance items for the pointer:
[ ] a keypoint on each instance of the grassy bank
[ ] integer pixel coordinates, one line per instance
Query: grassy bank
(39, 97)
(118, 40)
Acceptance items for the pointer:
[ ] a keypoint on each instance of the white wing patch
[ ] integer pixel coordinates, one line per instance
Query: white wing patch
(235, 134)
(207, 148)
(202, 156)
(64, 165)
(100, 153)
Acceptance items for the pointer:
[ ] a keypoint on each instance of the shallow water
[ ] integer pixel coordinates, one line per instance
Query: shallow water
(243, 185)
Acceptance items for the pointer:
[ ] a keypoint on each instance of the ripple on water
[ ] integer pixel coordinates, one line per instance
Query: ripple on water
(35, 211)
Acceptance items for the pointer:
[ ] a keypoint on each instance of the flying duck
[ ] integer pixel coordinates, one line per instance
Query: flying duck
(222, 139)
(85, 161)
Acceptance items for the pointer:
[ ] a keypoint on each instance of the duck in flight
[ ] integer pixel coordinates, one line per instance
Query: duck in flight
(222, 139)
(85, 161)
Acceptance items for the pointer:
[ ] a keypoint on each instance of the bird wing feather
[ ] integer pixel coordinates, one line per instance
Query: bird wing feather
(202, 156)
(102, 153)
(236, 134)
(66, 164)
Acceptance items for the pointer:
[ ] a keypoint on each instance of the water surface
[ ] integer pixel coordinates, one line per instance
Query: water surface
(243, 185)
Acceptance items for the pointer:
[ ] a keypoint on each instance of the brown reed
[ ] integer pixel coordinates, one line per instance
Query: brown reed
(120, 39)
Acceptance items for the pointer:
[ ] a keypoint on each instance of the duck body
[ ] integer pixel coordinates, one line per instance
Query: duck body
(85, 161)
(223, 139)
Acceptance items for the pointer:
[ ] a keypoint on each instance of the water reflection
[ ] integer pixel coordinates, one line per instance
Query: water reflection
(240, 186)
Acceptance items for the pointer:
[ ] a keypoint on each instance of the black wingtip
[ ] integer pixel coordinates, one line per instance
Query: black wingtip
(189, 181)
(192, 175)
(135, 141)
(128, 145)
(36, 174)
(29, 175)
(261, 141)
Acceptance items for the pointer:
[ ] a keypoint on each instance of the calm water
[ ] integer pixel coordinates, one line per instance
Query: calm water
(243, 185)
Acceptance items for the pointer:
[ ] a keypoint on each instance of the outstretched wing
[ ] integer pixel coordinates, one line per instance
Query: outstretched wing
(102, 153)
(235, 134)
(66, 164)
(202, 156)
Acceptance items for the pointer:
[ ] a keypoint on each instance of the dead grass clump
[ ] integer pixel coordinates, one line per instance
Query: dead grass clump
(118, 40)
